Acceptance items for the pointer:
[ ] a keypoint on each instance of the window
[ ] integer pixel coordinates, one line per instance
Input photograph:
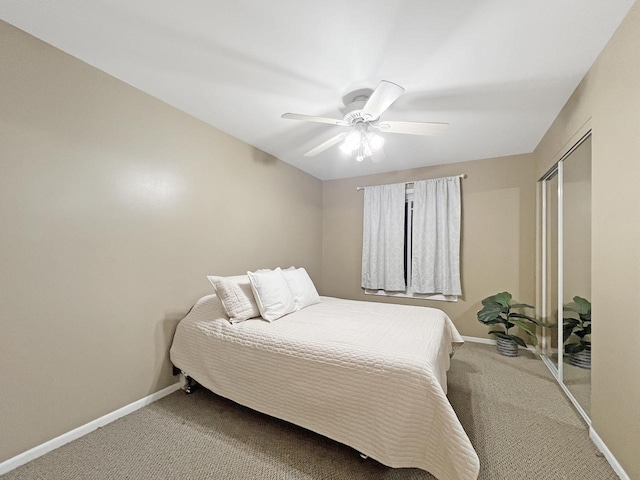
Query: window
(429, 234)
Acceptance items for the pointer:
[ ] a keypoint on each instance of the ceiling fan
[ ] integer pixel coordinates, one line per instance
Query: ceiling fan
(362, 116)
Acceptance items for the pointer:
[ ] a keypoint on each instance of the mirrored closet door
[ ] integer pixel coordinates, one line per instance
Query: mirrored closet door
(565, 267)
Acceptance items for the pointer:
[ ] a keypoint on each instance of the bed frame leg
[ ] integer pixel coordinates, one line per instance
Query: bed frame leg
(189, 384)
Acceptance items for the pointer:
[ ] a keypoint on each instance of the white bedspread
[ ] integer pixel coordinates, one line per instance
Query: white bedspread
(369, 375)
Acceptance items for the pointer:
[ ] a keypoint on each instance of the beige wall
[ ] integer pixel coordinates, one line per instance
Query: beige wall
(608, 101)
(114, 207)
(498, 234)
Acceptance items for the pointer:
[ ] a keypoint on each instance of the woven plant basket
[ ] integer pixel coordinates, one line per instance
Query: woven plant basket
(506, 347)
(581, 359)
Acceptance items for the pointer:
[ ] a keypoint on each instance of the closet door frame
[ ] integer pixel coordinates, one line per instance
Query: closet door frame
(556, 370)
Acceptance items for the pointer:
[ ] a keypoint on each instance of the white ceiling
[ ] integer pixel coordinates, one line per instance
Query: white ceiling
(498, 71)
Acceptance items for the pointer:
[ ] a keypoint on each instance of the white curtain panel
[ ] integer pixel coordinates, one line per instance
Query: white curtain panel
(383, 238)
(435, 260)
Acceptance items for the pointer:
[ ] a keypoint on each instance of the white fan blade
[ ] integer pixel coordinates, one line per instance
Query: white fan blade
(382, 97)
(412, 128)
(328, 144)
(311, 118)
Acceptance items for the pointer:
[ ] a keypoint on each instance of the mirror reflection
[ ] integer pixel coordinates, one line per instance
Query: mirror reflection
(566, 272)
(576, 273)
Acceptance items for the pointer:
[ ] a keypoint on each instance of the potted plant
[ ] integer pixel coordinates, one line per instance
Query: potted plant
(577, 332)
(498, 310)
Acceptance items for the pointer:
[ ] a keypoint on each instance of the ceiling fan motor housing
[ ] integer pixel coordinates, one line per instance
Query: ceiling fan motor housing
(353, 111)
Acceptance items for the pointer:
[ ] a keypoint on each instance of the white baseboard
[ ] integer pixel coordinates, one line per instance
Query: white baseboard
(81, 431)
(486, 341)
(595, 438)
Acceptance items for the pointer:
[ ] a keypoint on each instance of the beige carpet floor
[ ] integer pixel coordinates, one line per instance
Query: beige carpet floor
(516, 416)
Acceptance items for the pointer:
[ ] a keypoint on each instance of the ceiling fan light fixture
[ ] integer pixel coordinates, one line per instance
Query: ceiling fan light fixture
(366, 149)
(362, 142)
(375, 141)
(352, 142)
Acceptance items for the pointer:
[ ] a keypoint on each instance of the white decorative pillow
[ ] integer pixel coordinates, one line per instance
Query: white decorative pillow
(272, 294)
(302, 287)
(236, 296)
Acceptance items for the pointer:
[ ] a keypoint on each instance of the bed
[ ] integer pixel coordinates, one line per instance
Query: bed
(369, 375)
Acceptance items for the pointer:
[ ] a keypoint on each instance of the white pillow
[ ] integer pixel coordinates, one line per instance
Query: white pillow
(302, 287)
(272, 294)
(236, 296)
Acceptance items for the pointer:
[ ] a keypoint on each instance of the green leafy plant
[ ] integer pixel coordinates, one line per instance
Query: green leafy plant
(576, 332)
(498, 310)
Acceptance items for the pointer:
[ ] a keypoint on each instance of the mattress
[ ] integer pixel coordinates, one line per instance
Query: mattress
(369, 375)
